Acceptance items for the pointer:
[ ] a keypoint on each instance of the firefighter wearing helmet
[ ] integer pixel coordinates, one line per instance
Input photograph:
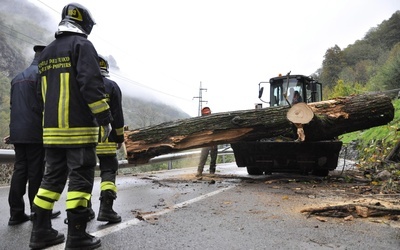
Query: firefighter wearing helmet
(74, 107)
(106, 151)
(213, 151)
(76, 18)
(103, 63)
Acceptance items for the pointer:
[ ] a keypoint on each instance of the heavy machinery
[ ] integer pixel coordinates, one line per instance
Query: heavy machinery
(286, 154)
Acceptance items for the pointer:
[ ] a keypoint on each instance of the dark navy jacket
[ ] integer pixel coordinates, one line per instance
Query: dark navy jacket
(114, 100)
(26, 109)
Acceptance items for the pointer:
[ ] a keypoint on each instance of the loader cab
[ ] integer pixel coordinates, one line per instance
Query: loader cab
(297, 88)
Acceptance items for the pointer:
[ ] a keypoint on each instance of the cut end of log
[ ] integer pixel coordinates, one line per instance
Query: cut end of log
(300, 113)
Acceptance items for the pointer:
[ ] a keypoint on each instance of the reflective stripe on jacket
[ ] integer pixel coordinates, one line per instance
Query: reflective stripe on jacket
(73, 92)
(114, 99)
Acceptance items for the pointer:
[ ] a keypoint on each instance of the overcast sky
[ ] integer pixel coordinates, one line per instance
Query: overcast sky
(167, 47)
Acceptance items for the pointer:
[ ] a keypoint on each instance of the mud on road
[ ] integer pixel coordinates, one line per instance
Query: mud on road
(339, 197)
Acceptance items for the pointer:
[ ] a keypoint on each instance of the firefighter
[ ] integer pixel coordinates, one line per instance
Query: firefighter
(213, 151)
(26, 134)
(106, 151)
(75, 106)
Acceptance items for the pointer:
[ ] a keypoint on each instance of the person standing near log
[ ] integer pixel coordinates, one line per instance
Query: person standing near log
(26, 134)
(75, 106)
(106, 151)
(213, 151)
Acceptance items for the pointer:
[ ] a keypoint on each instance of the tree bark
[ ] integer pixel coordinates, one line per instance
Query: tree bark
(352, 209)
(331, 119)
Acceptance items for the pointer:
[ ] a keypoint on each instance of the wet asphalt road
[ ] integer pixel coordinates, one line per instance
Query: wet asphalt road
(173, 210)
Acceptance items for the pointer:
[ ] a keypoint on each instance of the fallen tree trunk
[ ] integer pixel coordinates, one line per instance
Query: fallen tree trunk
(332, 118)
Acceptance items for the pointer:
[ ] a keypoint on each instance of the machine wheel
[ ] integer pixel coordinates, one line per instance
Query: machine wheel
(320, 172)
(254, 171)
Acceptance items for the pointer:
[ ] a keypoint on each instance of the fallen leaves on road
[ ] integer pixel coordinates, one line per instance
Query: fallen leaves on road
(145, 216)
(321, 219)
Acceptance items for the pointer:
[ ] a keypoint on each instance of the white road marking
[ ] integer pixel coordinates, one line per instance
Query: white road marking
(129, 223)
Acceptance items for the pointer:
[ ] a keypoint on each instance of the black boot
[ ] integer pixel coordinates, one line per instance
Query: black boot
(77, 237)
(106, 212)
(54, 214)
(43, 235)
(212, 169)
(91, 212)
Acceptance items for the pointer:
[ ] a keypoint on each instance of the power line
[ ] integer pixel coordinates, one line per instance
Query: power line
(12, 30)
(144, 86)
(122, 77)
(110, 43)
(49, 7)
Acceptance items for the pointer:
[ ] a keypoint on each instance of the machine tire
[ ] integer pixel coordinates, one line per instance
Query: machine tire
(254, 171)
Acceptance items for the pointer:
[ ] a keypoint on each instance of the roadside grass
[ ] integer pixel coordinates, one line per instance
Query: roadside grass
(374, 145)
(378, 140)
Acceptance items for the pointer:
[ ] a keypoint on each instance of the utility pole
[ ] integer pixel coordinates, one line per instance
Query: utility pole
(200, 97)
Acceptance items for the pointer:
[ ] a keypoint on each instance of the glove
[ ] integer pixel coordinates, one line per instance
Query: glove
(106, 130)
(6, 139)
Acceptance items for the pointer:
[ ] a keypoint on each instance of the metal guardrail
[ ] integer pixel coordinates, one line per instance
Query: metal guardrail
(176, 156)
(7, 156)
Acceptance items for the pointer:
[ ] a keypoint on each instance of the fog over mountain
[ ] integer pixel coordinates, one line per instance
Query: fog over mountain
(27, 24)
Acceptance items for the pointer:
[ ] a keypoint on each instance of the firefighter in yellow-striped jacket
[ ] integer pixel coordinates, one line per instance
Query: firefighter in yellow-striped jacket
(75, 106)
(106, 151)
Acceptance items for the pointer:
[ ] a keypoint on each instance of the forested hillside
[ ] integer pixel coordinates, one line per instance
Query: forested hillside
(23, 27)
(370, 64)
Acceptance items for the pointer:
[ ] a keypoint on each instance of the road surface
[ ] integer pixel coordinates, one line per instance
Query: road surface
(231, 210)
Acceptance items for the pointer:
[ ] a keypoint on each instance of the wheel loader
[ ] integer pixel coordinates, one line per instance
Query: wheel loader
(269, 155)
